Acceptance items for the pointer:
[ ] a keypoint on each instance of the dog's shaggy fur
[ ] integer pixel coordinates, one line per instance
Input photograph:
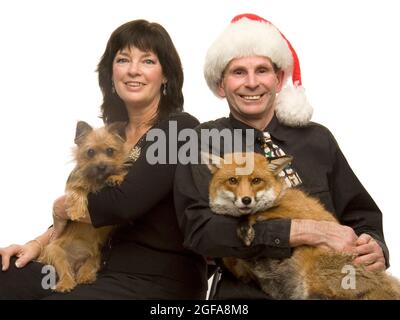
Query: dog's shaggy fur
(100, 157)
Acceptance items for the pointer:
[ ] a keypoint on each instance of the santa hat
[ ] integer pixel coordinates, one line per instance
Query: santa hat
(248, 35)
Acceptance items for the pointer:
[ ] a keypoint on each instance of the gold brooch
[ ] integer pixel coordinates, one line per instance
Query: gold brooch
(134, 153)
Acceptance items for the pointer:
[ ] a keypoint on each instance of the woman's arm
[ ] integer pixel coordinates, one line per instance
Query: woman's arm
(146, 184)
(60, 217)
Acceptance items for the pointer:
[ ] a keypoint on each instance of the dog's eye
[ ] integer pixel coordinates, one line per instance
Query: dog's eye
(91, 153)
(256, 181)
(233, 180)
(110, 152)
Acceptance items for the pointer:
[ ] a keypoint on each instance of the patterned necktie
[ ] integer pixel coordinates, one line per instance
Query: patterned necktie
(271, 150)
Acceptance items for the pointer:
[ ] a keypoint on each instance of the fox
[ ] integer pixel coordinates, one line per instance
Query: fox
(311, 272)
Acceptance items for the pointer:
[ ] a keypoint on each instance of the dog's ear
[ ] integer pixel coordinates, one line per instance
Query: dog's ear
(278, 164)
(82, 129)
(117, 128)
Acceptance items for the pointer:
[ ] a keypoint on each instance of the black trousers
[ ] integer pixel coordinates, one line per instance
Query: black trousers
(26, 284)
(230, 288)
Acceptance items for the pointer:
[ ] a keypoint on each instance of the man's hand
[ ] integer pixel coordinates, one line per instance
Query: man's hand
(324, 234)
(369, 253)
(337, 237)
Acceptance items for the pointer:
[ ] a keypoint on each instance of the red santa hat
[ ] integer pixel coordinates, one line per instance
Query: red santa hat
(249, 35)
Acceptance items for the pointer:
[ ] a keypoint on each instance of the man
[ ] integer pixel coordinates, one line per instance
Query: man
(248, 65)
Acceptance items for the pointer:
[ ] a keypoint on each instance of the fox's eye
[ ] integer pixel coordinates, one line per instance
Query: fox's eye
(233, 180)
(91, 153)
(110, 152)
(256, 181)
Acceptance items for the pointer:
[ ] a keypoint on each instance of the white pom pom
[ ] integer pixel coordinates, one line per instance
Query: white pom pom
(292, 107)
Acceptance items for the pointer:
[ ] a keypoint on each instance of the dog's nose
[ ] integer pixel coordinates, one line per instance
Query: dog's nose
(101, 168)
(246, 200)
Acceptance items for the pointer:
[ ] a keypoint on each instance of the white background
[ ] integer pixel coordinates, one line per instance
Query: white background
(348, 51)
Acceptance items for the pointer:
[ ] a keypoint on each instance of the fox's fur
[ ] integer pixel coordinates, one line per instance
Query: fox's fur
(100, 157)
(311, 272)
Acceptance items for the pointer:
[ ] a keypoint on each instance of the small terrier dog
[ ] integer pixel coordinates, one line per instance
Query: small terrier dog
(101, 160)
(311, 272)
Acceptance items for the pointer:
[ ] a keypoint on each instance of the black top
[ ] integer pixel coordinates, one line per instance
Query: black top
(149, 241)
(325, 174)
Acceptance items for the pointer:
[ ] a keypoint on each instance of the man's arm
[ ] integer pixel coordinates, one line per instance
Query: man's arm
(356, 209)
(338, 238)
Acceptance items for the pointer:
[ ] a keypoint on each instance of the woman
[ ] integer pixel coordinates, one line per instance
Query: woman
(141, 79)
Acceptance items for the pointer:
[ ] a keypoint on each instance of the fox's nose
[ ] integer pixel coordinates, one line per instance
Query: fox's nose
(246, 200)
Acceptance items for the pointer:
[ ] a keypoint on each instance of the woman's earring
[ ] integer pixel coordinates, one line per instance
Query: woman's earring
(164, 92)
(112, 87)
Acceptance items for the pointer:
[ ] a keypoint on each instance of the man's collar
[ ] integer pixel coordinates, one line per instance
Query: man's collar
(237, 124)
(275, 129)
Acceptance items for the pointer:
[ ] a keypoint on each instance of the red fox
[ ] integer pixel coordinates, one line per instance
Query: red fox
(311, 272)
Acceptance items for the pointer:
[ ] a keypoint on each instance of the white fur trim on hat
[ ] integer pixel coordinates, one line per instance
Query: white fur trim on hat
(250, 35)
(292, 107)
(242, 39)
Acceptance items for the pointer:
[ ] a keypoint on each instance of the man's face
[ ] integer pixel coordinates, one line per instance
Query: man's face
(250, 85)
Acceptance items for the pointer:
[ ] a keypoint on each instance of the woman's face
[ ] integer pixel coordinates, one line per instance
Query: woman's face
(137, 77)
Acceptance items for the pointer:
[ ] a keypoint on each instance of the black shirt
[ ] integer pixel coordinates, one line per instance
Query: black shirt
(325, 174)
(148, 240)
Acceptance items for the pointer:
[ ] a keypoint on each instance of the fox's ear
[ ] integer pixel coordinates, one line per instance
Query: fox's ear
(82, 129)
(117, 128)
(277, 165)
(212, 161)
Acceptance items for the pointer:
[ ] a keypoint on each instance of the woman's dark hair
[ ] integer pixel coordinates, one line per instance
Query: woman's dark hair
(146, 36)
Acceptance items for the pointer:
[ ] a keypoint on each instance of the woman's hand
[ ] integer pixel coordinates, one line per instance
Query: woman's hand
(60, 217)
(25, 253)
